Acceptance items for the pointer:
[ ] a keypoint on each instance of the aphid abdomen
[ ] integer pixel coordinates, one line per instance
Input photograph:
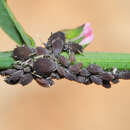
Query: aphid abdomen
(84, 72)
(124, 75)
(63, 61)
(57, 46)
(96, 79)
(26, 79)
(75, 69)
(44, 66)
(44, 82)
(107, 76)
(22, 53)
(14, 78)
(7, 72)
(95, 69)
(42, 51)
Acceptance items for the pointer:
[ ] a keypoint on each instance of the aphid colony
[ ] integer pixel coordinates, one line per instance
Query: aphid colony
(46, 64)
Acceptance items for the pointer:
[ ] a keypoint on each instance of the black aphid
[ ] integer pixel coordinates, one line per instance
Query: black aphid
(57, 46)
(124, 75)
(14, 78)
(95, 69)
(42, 51)
(96, 79)
(70, 76)
(107, 76)
(44, 66)
(22, 53)
(61, 71)
(81, 79)
(7, 72)
(73, 47)
(84, 72)
(64, 61)
(26, 79)
(75, 69)
(44, 82)
(56, 35)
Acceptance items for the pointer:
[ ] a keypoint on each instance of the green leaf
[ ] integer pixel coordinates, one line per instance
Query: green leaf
(82, 35)
(11, 26)
(6, 60)
(72, 33)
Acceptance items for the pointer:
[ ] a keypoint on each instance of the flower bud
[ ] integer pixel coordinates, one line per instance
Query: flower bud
(83, 35)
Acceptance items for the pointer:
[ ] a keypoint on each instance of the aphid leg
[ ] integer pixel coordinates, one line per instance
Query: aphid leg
(36, 75)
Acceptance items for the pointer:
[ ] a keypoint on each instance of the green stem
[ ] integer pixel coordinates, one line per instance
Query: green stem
(107, 61)
(6, 60)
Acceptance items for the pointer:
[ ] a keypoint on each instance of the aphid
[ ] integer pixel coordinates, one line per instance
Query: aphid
(96, 79)
(70, 76)
(57, 46)
(61, 71)
(22, 53)
(55, 35)
(124, 75)
(95, 69)
(62, 60)
(42, 51)
(84, 72)
(15, 77)
(44, 82)
(106, 84)
(44, 66)
(75, 69)
(72, 57)
(26, 79)
(80, 79)
(7, 72)
(107, 76)
(55, 76)
(73, 47)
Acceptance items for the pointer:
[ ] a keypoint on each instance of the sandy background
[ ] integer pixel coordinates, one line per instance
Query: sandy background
(68, 105)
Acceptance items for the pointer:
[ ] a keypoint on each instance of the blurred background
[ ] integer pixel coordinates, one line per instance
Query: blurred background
(68, 105)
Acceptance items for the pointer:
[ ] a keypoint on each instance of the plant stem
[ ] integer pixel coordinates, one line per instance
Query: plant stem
(107, 61)
(6, 60)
